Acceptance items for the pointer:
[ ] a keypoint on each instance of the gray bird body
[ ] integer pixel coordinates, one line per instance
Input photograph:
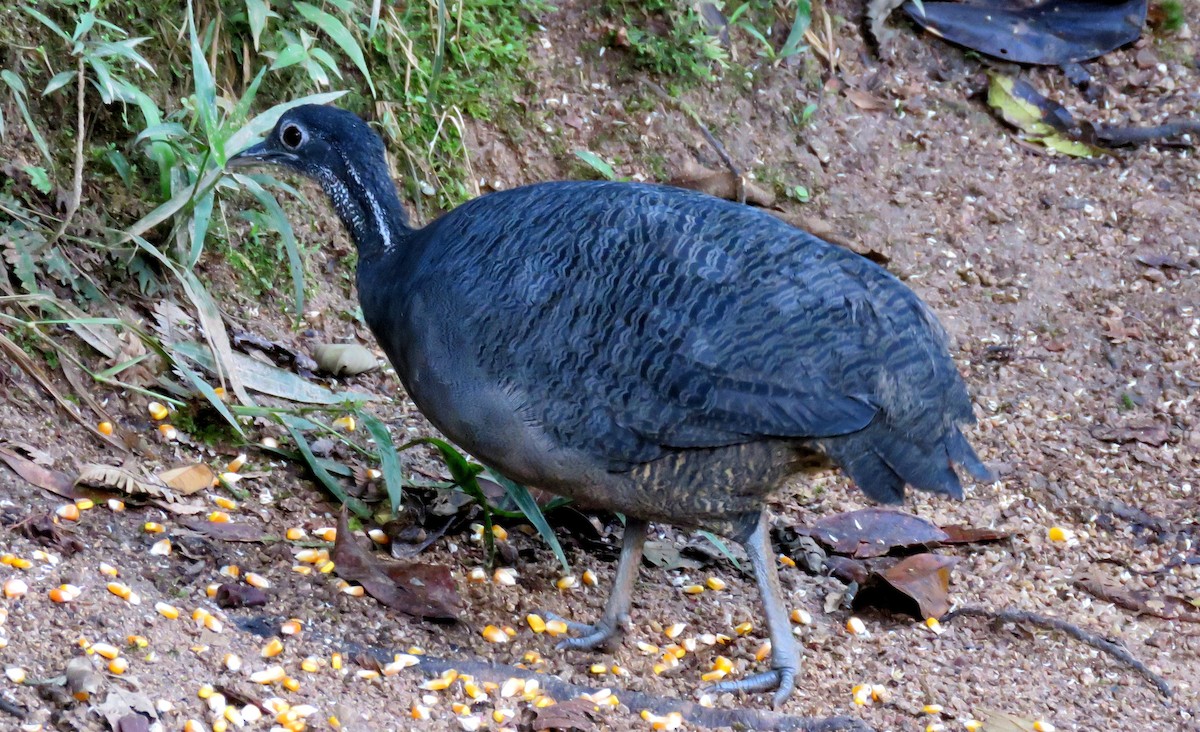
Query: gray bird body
(644, 349)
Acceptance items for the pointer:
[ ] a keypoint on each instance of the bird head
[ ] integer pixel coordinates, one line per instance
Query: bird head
(345, 156)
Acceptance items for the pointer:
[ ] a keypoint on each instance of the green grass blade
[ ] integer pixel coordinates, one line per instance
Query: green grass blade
(520, 495)
(208, 393)
(337, 31)
(800, 24)
(198, 227)
(359, 508)
(279, 221)
(597, 163)
(722, 547)
(202, 80)
(389, 460)
(19, 94)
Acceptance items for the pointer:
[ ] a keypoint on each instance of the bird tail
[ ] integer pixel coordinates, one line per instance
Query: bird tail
(882, 460)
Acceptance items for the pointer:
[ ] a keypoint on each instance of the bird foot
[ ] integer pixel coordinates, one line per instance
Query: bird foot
(780, 680)
(590, 636)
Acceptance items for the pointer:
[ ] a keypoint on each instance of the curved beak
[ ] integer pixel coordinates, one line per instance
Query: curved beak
(254, 155)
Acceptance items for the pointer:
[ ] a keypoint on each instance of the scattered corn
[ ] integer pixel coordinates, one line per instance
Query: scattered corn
(153, 527)
(310, 664)
(226, 503)
(536, 624)
(291, 627)
(1059, 534)
(379, 536)
(648, 649)
(354, 590)
(254, 579)
(105, 428)
(116, 505)
(589, 578)
(972, 725)
(335, 662)
(15, 587)
(15, 674)
(193, 725)
(935, 625)
(494, 635)
(674, 630)
(211, 589)
(236, 463)
(721, 663)
(935, 727)
(880, 693)
(744, 628)
(693, 589)
(671, 721)
(511, 687)
(108, 570)
(106, 650)
(367, 673)
(20, 563)
(400, 662)
(291, 684)
(270, 443)
(763, 651)
(296, 534)
(567, 582)
(118, 665)
(233, 662)
(556, 627)
(272, 649)
(161, 548)
(711, 676)
(218, 517)
(715, 583)
(598, 669)
(862, 694)
(932, 709)
(499, 532)
(168, 432)
(419, 712)
(346, 423)
(65, 593)
(787, 561)
(167, 611)
(327, 533)
(67, 512)
(230, 570)
(120, 590)
(505, 576)
(157, 411)
(269, 675)
(1040, 726)
(856, 626)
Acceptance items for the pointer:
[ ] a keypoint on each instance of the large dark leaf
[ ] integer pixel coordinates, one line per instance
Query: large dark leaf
(918, 585)
(873, 532)
(1054, 32)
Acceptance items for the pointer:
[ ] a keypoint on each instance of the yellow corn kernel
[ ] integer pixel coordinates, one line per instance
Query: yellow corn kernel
(693, 589)
(254, 579)
(544, 701)
(862, 694)
(161, 548)
(226, 503)
(327, 533)
(932, 709)
(137, 641)
(710, 676)
(534, 656)
(291, 627)
(419, 712)
(494, 635)
(935, 625)
(675, 651)
(67, 512)
(715, 583)
(787, 561)
(972, 725)
(674, 630)
(108, 570)
(105, 428)
(269, 675)
(598, 668)
(856, 626)
(379, 536)
(291, 684)
(232, 661)
(230, 570)
(721, 663)
(345, 424)
(567, 582)
(106, 650)
(763, 651)
(20, 563)
(210, 590)
(354, 590)
(743, 628)
(501, 715)
(302, 569)
(153, 527)
(511, 687)
(1041, 726)
(310, 664)
(116, 505)
(880, 693)
(193, 725)
(499, 532)
(589, 578)
(118, 665)
(296, 534)
(473, 690)
(367, 673)
(65, 593)
(270, 443)
(935, 727)
(374, 474)
(236, 463)
(157, 411)
(219, 517)
(335, 662)
(439, 683)
(168, 432)
(1058, 533)
(505, 576)
(556, 627)
(120, 590)
(400, 662)
(536, 624)
(801, 616)
(15, 674)
(272, 649)
(167, 611)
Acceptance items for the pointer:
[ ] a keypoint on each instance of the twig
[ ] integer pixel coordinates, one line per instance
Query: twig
(80, 132)
(738, 173)
(1115, 650)
(498, 672)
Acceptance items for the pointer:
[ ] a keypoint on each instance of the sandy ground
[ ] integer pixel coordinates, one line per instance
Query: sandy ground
(1071, 289)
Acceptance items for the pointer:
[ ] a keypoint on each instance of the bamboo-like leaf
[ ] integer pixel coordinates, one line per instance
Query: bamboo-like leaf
(337, 31)
(279, 221)
(256, 13)
(358, 507)
(202, 79)
(597, 163)
(209, 394)
(198, 227)
(19, 95)
(389, 460)
(271, 380)
(58, 81)
(49, 24)
(520, 496)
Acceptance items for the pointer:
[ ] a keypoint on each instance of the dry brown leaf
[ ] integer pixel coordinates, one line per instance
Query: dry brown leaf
(52, 480)
(873, 532)
(1167, 607)
(865, 100)
(228, 531)
(575, 714)
(188, 479)
(918, 585)
(994, 721)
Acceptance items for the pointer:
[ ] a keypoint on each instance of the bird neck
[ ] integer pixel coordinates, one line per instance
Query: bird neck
(367, 203)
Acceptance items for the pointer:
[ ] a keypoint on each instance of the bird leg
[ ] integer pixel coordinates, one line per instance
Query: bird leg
(785, 655)
(616, 612)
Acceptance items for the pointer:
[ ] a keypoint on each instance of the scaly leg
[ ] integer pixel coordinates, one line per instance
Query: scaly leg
(616, 612)
(785, 654)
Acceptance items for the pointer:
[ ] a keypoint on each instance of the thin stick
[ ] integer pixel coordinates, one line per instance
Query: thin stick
(1115, 650)
(80, 133)
(738, 173)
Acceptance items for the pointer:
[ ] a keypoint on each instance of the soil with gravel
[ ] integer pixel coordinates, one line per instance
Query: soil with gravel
(1071, 289)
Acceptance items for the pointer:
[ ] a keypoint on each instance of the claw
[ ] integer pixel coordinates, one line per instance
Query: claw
(781, 680)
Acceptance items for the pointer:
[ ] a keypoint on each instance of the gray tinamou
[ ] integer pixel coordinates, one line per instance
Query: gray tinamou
(646, 350)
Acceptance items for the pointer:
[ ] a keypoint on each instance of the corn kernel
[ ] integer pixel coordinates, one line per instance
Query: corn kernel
(801, 616)
(233, 662)
(721, 663)
(218, 517)
(505, 576)
(226, 503)
(291, 627)
(15, 587)
(856, 626)
(710, 676)
(556, 627)
(439, 683)
(1058, 533)
(972, 725)
(153, 527)
(106, 650)
(494, 635)
(65, 593)
(291, 684)
(120, 590)
(935, 625)
(67, 512)
(273, 648)
(693, 589)
(787, 561)
(157, 411)
(511, 687)
(536, 624)
(230, 570)
(168, 432)
(254, 579)
(1040, 726)
(161, 548)
(473, 690)
(544, 701)
(326, 534)
(270, 443)
(15, 674)
(880, 693)
(269, 675)
(20, 563)
(193, 725)
(566, 583)
(400, 662)
(116, 505)
(118, 665)
(105, 428)
(862, 694)
(354, 590)
(715, 583)
(763, 651)
(346, 424)
(236, 464)
(296, 534)
(932, 709)
(598, 668)
(379, 536)
(674, 630)
(335, 662)
(935, 727)
(167, 611)
(419, 712)
(744, 628)
(367, 673)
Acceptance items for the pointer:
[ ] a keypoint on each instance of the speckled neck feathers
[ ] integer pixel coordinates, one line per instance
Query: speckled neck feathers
(366, 201)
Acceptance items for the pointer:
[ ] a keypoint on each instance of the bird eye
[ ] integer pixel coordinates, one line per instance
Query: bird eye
(292, 136)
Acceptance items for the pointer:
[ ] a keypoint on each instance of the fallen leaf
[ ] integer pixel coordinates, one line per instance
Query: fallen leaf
(122, 479)
(918, 585)
(956, 534)
(188, 479)
(230, 595)
(1167, 607)
(121, 704)
(82, 678)
(420, 590)
(575, 714)
(47, 531)
(873, 532)
(865, 100)
(54, 481)
(666, 555)
(344, 359)
(1003, 722)
(226, 531)
(1153, 433)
